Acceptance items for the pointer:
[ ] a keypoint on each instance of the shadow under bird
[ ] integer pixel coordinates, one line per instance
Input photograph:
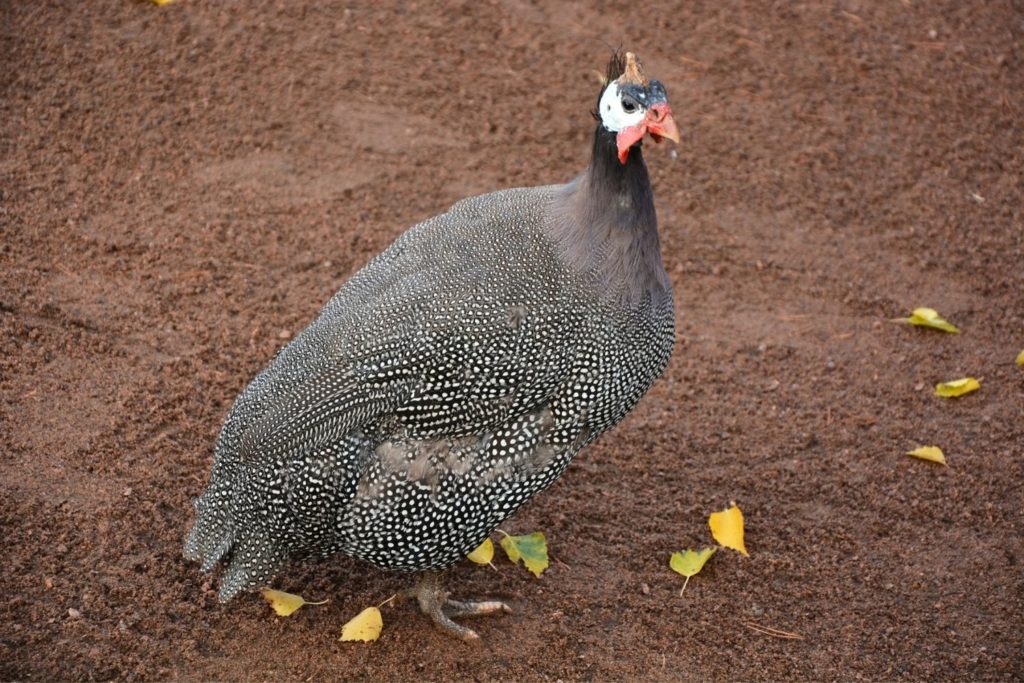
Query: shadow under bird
(455, 376)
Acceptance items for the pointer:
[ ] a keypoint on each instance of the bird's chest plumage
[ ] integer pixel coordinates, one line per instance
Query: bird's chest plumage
(620, 362)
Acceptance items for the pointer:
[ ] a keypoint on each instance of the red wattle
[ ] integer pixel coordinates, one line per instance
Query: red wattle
(628, 137)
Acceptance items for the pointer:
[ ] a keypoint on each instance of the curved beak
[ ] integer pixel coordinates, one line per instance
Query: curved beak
(660, 123)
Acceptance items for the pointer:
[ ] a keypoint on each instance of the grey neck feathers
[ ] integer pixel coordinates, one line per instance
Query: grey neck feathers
(605, 226)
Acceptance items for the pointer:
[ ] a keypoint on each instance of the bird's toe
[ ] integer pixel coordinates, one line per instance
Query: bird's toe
(434, 602)
(457, 608)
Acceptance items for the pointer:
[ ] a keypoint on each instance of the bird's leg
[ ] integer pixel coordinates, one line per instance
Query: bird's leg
(433, 599)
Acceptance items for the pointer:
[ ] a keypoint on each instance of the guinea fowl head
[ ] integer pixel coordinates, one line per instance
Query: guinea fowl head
(632, 106)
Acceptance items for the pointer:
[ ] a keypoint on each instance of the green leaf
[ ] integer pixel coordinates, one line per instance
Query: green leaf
(532, 550)
(689, 563)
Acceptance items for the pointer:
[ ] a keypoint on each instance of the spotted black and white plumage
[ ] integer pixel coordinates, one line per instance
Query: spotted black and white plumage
(448, 382)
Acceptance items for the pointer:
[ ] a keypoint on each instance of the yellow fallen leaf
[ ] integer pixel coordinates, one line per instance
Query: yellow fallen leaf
(483, 554)
(161, 3)
(1020, 359)
(689, 563)
(285, 603)
(532, 549)
(932, 453)
(727, 528)
(929, 317)
(957, 387)
(365, 626)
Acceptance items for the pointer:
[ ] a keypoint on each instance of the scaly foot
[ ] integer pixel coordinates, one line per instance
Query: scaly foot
(433, 599)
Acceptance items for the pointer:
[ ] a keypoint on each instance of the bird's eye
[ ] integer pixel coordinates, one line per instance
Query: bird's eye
(628, 105)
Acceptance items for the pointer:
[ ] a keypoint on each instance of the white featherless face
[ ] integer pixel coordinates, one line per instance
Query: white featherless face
(619, 109)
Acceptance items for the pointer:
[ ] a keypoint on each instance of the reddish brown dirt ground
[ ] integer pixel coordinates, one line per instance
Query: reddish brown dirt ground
(181, 188)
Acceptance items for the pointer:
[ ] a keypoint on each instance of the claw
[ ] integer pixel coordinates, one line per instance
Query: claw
(433, 600)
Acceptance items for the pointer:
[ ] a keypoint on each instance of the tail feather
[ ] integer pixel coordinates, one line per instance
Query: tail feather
(254, 561)
(213, 533)
(230, 524)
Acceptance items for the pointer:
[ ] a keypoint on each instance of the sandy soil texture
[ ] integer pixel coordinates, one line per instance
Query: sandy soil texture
(181, 188)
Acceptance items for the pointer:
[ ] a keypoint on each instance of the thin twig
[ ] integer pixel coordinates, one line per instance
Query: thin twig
(774, 632)
(695, 62)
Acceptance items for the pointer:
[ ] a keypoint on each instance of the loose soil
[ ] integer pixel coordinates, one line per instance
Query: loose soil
(182, 187)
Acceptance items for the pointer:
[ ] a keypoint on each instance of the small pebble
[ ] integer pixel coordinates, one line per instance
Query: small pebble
(73, 613)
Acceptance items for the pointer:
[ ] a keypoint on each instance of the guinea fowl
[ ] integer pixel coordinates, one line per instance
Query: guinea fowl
(455, 376)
